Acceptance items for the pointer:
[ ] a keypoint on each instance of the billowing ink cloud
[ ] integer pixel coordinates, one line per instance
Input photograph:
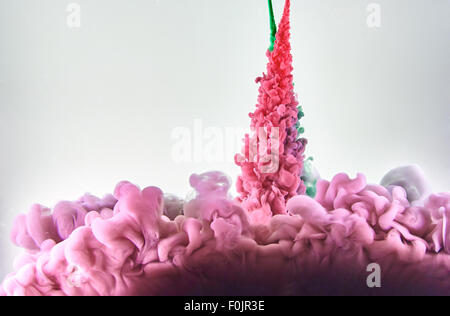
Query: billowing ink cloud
(126, 245)
(271, 240)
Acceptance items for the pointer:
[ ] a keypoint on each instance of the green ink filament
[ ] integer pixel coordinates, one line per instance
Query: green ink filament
(273, 27)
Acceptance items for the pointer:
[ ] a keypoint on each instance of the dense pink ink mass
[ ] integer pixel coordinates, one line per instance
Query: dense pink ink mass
(262, 190)
(271, 240)
(129, 247)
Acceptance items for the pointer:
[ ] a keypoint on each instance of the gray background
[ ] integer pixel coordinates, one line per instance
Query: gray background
(81, 109)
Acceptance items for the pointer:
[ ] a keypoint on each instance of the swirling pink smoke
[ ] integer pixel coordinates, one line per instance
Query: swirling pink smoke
(270, 241)
(125, 245)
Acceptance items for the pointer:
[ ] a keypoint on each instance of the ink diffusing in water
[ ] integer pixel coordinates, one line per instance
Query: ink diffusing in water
(287, 233)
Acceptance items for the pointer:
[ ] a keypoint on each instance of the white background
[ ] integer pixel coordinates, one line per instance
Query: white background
(81, 109)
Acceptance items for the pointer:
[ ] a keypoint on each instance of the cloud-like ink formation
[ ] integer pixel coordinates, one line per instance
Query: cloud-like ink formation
(125, 245)
(265, 192)
(271, 240)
